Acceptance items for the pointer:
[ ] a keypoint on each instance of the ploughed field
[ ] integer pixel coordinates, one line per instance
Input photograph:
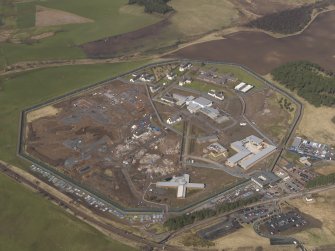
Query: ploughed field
(262, 53)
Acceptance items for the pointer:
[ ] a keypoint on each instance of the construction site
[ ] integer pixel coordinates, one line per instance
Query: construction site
(161, 136)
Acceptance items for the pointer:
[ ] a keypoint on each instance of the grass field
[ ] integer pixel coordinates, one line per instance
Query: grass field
(201, 86)
(316, 123)
(25, 15)
(30, 222)
(244, 239)
(322, 209)
(194, 17)
(241, 74)
(23, 90)
(108, 17)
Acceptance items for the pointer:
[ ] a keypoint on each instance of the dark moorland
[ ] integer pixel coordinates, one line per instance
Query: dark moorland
(263, 53)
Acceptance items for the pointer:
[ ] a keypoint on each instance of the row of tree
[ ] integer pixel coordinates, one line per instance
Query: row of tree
(187, 219)
(309, 80)
(289, 21)
(150, 6)
(321, 181)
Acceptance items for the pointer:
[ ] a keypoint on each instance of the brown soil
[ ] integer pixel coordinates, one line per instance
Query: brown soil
(48, 17)
(43, 35)
(110, 46)
(263, 53)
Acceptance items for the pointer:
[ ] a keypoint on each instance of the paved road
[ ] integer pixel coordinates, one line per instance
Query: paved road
(212, 220)
(216, 165)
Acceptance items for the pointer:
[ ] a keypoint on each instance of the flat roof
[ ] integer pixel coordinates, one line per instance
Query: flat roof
(264, 178)
(202, 101)
(238, 156)
(255, 139)
(245, 163)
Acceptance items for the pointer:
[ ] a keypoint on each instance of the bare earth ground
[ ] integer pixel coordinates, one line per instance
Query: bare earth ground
(43, 35)
(325, 168)
(48, 17)
(263, 53)
(43, 112)
(263, 107)
(324, 210)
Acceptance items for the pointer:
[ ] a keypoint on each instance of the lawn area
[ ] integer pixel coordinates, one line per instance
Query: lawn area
(201, 86)
(241, 74)
(30, 222)
(109, 18)
(194, 17)
(25, 15)
(24, 90)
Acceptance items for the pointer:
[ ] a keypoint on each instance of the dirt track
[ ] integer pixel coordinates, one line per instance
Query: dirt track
(262, 52)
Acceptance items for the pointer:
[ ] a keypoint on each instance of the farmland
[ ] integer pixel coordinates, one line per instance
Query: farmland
(22, 90)
(30, 222)
(263, 53)
(64, 43)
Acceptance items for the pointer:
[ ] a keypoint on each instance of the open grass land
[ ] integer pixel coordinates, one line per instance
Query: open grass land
(201, 16)
(23, 90)
(26, 15)
(325, 168)
(243, 239)
(30, 222)
(107, 18)
(322, 209)
(316, 122)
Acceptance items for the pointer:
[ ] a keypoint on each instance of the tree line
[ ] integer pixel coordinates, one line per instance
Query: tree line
(309, 80)
(178, 222)
(289, 21)
(150, 6)
(322, 180)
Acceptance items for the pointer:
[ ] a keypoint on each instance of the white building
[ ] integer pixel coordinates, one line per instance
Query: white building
(246, 88)
(171, 76)
(174, 119)
(185, 66)
(249, 151)
(181, 183)
(198, 103)
(239, 86)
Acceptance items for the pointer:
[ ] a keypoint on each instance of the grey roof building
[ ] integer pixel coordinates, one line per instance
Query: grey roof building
(264, 178)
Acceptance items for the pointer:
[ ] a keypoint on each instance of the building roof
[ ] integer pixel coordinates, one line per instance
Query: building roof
(264, 178)
(247, 162)
(254, 139)
(202, 101)
(238, 156)
(181, 182)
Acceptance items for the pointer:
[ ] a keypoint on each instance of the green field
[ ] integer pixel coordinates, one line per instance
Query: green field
(110, 18)
(201, 86)
(30, 222)
(24, 90)
(25, 15)
(241, 74)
